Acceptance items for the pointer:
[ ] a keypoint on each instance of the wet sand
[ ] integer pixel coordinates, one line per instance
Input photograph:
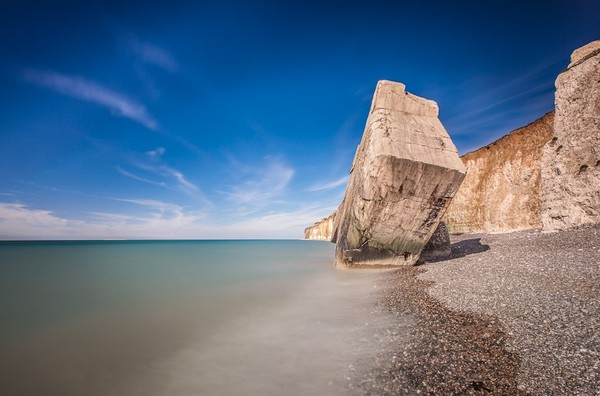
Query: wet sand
(513, 313)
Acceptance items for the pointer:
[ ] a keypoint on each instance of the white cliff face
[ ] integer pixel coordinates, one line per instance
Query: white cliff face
(571, 160)
(405, 172)
(502, 189)
(321, 230)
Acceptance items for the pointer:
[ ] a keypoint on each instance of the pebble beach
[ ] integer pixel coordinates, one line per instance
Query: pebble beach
(510, 314)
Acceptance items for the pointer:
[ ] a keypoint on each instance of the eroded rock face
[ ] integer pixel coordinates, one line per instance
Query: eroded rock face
(405, 172)
(502, 189)
(321, 230)
(571, 160)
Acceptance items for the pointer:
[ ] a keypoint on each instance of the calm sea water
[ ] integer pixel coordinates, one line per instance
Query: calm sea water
(183, 318)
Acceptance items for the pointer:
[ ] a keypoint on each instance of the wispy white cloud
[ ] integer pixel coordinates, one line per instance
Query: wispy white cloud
(181, 179)
(160, 209)
(161, 220)
(156, 153)
(17, 221)
(493, 103)
(172, 178)
(485, 99)
(153, 55)
(154, 204)
(155, 215)
(188, 145)
(139, 178)
(276, 224)
(90, 91)
(329, 185)
(171, 174)
(263, 185)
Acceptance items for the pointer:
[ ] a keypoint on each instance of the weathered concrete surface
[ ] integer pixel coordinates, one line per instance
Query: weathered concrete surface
(502, 189)
(436, 248)
(571, 160)
(405, 172)
(321, 230)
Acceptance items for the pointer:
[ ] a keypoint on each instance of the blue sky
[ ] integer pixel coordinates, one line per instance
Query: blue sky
(240, 120)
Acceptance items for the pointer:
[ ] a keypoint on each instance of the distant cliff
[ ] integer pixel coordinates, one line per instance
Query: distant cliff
(321, 230)
(502, 189)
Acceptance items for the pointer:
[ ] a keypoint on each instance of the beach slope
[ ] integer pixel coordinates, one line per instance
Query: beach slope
(514, 313)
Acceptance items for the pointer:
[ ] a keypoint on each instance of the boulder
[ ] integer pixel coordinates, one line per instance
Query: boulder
(571, 159)
(405, 172)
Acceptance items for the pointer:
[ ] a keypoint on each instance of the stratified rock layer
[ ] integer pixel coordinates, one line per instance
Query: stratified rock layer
(502, 189)
(405, 172)
(571, 160)
(321, 230)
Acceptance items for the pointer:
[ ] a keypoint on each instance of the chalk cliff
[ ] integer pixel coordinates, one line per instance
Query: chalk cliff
(405, 172)
(502, 189)
(321, 230)
(571, 160)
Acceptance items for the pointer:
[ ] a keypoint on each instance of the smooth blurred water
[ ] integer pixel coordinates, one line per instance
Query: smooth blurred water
(182, 318)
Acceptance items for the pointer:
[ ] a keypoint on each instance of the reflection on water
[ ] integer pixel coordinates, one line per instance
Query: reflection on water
(183, 318)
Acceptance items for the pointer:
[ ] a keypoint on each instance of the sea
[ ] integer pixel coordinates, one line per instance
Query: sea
(231, 317)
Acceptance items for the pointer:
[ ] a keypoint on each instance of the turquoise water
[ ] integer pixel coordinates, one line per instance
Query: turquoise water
(182, 318)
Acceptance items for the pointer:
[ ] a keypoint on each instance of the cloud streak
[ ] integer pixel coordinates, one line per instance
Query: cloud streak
(89, 91)
(153, 167)
(162, 220)
(153, 55)
(163, 209)
(277, 224)
(528, 93)
(263, 185)
(330, 185)
(17, 221)
(139, 178)
(170, 173)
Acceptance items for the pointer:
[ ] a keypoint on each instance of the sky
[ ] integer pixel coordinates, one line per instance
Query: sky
(221, 120)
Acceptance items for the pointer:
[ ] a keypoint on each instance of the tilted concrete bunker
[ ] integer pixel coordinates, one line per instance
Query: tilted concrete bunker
(405, 172)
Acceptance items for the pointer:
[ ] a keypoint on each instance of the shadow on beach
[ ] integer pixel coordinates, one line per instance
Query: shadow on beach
(460, 249)
(468, 247)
